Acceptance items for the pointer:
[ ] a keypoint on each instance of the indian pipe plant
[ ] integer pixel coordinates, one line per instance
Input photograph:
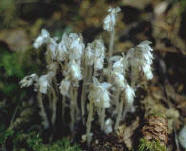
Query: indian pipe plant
(107, 82)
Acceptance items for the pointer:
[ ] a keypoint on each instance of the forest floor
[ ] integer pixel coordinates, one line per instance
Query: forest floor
(161, 22)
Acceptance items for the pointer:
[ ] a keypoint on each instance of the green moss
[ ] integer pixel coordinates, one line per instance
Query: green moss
(35, 143)
(146, 145)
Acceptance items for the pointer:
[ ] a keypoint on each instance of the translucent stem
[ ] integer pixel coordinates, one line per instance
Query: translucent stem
(88, 124)
(83, 94)
(54, 105)
(72, 109)
(119, 116)
(42, 111)
(63, 106)
(116, 100)
(111, 45)
(125, 112)
(75, 92)
(102, 119)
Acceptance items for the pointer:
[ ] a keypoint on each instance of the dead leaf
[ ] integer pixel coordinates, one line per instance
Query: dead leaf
(125, 133)
(16, 39)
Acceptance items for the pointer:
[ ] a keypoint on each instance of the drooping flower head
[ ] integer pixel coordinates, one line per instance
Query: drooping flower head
(62, 50)
(44, 82)
(110, 20)
(119, 68)
(29, 80)
(95, 54)
(52, 48)
(74, 70)
(100, 94)
(64, 87)
(141, 59)
(41, 39)
(129, 95)
(108, 126)
(147, 58)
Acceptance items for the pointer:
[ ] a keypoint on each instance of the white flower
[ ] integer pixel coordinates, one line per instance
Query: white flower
(99, 63)
(62, 48)
(108, 126)
(76, 46)
(118, 66)
(100, 94)
(41, 39)
(118, 79)
(182, 137)
(53, 67)
(95, 54)
(74, 70)
(147, 71)
(110, 19)
(118, 70)
(52, 47)
(43, 83)
(99, 49)
(64, 87)
(28, 80)
(147, 58)
(141, 59)
(129, 95)
(89, 54)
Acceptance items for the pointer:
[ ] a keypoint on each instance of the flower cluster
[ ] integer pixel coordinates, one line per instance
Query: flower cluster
(106, 82)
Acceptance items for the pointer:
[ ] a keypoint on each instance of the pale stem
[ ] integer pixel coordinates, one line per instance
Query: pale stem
(116, 100)
(83, 95)
(102, 118)
(125, 112)
(54, 104)
(111, 45)
(50, 98)
(72, 109)
(120, 110)
(63, 106)
(42, 111)
(89, 120)
(99, 114)
(77, 112)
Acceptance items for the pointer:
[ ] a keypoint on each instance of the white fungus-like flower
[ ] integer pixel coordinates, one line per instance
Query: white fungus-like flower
(118, 79)
(147, 57)
(99, 63)
(129, 95)
(99, 93)
(43, 83)
(118, 66)
(74, 70)
(62, 50)
(182, 137)
(147, 71)
(108, 126)
(141, 59)
(53, 67)
(28, 80)
(118, 70)
(41, 39)
(110, 19)
(52, 47)
(64, 87)
(76, 46)
(95, 54)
